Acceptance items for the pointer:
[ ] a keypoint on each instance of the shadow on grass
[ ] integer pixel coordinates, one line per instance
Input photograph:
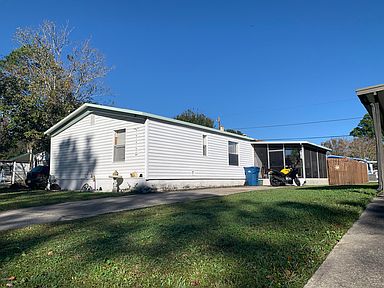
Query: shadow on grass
(225, 241)
(21, 193)
(340, 187)
(6, 190)
(353, 203)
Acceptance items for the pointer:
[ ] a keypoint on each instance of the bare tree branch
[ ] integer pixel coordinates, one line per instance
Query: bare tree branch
(54, 77)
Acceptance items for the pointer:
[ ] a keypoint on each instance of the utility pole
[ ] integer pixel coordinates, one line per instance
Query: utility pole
(219, 122)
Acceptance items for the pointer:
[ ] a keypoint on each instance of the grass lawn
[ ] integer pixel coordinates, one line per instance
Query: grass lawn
(26, 198)
(274, 238)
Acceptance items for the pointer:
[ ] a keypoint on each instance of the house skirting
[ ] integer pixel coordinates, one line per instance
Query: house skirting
(308, 181)
(106, 184)
(317, 181)
(170, 185)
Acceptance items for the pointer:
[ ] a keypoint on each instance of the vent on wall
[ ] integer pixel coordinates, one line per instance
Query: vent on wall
(93, 120)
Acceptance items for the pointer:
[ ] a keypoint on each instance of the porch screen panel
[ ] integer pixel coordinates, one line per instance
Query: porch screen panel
(276, 161)
(308, 166)
(315, 168)
(262, 156)
(275, 147)
(323, 165)
(119, 146)
(293, 159)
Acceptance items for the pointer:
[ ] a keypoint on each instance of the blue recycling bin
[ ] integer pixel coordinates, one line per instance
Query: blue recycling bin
(252, 176)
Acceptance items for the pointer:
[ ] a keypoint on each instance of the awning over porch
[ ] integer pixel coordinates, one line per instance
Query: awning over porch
(372, 98)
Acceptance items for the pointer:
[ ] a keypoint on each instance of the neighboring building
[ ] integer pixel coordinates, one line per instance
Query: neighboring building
(14, 170)
(92, 142)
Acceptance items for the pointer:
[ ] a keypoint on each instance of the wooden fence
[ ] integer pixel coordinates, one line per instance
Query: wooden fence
(344, 171)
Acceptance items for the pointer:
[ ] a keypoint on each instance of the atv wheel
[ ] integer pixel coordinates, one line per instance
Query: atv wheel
(275, 182)
(297, 181)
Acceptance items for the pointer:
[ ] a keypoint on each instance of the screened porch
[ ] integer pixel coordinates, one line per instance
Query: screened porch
(310, 159)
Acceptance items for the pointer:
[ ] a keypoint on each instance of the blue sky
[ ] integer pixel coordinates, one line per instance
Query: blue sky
(253, 63)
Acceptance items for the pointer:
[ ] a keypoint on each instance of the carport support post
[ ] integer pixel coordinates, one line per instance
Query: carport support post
(379, 143)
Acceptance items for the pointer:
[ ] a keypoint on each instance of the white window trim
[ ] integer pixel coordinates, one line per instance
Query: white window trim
(113, 145)
(237, 153)
(205, 136)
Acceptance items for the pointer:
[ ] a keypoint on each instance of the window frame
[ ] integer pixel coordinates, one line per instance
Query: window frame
(119, 146)
(205, 145)
(231, 156)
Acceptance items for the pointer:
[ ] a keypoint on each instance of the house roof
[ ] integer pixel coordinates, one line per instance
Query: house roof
(88, 107)
(370, 89)
(352, 158)
(370, 95)
(291, 142)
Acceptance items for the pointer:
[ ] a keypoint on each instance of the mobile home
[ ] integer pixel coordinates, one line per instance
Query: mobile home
(95, 141)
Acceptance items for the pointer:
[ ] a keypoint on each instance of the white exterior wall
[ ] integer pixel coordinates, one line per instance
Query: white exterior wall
(84, 150)
(175, 158)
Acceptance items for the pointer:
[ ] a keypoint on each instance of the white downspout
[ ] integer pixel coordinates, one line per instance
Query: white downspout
(146, 133)
(303, 158)
(318, 165)
(14, 172)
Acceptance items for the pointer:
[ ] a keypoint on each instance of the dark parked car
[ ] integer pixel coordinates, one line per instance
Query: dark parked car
(38, 177)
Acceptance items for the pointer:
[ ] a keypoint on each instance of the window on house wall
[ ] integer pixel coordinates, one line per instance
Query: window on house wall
(233, 155)
(119, 146)
(204, 145)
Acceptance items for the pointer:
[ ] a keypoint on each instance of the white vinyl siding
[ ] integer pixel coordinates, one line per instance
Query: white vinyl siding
(174, 152)
(86, 149)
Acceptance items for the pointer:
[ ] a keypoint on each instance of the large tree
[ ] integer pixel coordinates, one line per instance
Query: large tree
(364, 128)
(196, 118)
(363, 147)
(43, 80)
(339, 146)
(358, 147)
(363, 144)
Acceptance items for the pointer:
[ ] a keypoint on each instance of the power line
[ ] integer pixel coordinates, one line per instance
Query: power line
(285, 107)
(298, 124)
(305, 138)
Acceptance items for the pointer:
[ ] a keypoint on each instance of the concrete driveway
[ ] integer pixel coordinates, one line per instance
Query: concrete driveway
(82, 209)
